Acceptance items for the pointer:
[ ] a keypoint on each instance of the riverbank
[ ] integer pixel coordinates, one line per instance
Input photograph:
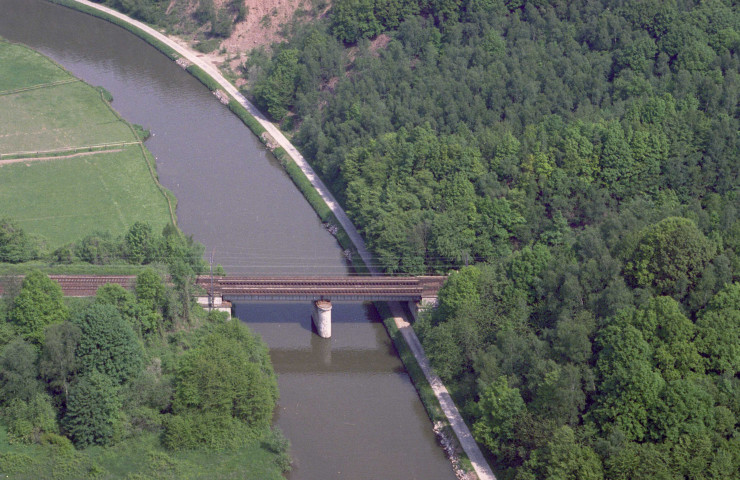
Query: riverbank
(286, 152)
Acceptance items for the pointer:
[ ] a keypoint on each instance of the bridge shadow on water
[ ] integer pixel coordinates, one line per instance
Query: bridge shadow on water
(359, 342)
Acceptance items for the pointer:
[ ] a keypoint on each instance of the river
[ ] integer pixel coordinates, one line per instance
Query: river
(347, 405)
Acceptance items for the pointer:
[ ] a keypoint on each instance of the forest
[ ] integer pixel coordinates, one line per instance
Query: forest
(575, 165)
(141, 375)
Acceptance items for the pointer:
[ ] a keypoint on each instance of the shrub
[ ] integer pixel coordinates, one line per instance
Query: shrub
(225, 391)
(92, 410)
(28, 421)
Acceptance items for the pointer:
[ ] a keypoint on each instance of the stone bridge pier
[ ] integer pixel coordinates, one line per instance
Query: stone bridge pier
(321, 317)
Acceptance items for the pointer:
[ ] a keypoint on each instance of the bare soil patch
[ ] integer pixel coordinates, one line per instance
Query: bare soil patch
(379, 43)
(262, 25)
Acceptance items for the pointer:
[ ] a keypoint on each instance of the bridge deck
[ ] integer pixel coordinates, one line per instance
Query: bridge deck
(275, 288)
(314, 288)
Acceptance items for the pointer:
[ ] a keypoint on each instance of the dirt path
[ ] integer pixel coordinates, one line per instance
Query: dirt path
(57, 157)
(448, 406)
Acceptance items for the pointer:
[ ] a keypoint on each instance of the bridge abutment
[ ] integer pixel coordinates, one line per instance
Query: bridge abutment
(214, 302)
(322, 317)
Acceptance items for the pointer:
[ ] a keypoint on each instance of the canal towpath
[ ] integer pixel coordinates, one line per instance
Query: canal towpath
(464, 436)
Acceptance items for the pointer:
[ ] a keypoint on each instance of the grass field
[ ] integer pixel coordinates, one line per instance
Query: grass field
(63, 199)
(69, 192)
(58, 116)
(30, 68)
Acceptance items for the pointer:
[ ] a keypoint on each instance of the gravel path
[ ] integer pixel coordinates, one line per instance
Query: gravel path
(448, 406)
(445, 400)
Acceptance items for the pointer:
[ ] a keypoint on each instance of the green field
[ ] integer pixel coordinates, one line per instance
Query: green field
(30, 68)
(61, 190)
(58, 116)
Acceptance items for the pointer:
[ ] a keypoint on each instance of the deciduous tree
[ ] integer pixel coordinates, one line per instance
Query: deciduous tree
(15, 244)
(497, 412)
(223, 386)
(18, 372)
(669, 256)
(58, 363)
(107, 343)
(718, 330)
(39, 303)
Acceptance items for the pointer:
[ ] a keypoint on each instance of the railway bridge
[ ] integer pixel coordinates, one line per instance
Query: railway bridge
(321, 291)
(221, 291)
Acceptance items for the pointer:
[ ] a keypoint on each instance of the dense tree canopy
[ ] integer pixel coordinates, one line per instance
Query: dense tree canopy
(38, 304)
(583, 155)
(107, 343)
(225, 390)
(580, 156)
(483, 125)
(118, 369)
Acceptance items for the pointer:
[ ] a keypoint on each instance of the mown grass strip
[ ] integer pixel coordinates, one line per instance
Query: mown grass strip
(28, 72)
(426, 394)
(56, 118)
(151, 166)
(419, 380)
(99, 192)
(90, 168)
(10, 269)
(203, 77)
(246, 118)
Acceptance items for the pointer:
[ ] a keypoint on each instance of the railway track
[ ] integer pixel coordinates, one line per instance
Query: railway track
(334, 287)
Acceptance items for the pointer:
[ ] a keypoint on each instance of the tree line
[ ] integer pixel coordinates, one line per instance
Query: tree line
(141, 245)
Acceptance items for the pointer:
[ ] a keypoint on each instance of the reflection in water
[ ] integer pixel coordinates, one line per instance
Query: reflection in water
(345, 394)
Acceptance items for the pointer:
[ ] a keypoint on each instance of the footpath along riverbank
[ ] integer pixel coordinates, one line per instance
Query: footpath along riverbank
(168, 45)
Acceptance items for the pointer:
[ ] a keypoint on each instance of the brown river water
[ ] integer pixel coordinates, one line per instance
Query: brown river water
(347, 404)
